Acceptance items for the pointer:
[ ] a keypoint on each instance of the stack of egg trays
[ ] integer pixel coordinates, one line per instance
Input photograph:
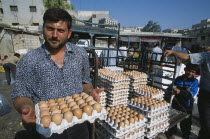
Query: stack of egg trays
(105, 131)
(137, 93)
(114, 68)
(157, 120)
(103, 99)
(117, 93)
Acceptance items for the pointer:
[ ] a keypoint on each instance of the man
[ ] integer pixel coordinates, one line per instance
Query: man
(202, 59)
(9, 66)
(109, 56)
(156, 49)
(56, 69)
(185, 89)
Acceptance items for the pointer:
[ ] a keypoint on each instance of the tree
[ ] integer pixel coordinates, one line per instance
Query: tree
(63, 4)
(152, 27)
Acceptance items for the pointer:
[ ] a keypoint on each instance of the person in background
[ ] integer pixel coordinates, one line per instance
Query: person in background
(55, 70)
(156, 49)
(9, 65)
(123, 51)
(109, 56)
(185, 89)
(5, 57)
(202, 59)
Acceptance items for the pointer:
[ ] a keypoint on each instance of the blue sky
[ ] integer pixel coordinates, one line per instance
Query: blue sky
(168, 13)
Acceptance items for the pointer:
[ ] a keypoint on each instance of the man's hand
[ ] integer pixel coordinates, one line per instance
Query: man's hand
(176, 91)
(28, 116)
(167, 53)
(95, 94)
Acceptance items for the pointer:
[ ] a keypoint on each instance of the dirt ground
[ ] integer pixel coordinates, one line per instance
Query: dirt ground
(10, 124)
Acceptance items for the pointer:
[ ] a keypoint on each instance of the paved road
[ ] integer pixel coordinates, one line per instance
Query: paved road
(10, 126)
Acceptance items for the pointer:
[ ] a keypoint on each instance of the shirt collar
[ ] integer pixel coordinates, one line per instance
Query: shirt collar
(69, 48)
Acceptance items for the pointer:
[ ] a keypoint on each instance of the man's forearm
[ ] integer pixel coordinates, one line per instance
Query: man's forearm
(182, 55)
(20, 102)
(87, 88)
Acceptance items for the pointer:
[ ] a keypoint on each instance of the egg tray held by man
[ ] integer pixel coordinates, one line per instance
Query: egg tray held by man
(54, 116)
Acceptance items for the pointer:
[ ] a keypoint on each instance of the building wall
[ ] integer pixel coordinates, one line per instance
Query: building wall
(12, 42)
(23, 16)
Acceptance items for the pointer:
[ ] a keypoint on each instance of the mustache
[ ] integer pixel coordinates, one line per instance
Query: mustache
(54, 39)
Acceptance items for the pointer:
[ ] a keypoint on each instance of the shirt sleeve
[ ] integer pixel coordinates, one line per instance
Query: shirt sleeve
(196, 58)
(194, 88)
(86, 70)
(20, 88)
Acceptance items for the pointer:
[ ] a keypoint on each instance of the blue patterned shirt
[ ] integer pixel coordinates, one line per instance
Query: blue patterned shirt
(39, 78)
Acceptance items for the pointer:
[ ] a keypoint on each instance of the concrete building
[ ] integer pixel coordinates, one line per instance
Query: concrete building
(21, 12)
(92, 17)
(131, 29)
(171, 30)
(108, 21)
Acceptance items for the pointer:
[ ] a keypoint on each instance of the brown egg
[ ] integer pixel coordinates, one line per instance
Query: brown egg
(58, 100)
(68, 116)
(91, 102)
(53, 108)
(42, 102)
(107, 109)
(75, 95)
(97, 107)
(82, 94)
(121, 124)
(131, 120)
(44, 112)
(45, 120)
(67, 97)
(71, 104)
(42, 109)
(127, 123)
(140, 116)
(80, 101)
(52, 104)
(77, 99)
(82, 105)
(89, 98)
(74, 107)
(69, 100)
(51, 101)
(88, 110)
(136, 118)
(61, 102)
(43, 105)
(85, 96)
(62, 106)
(116, 121)
(110, 115)
(57, 118)
(65, 110)
(78, 113)
(55, 111)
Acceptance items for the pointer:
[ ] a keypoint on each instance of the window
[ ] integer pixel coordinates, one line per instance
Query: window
(32, 8)
(94, 15)
(13, 8)
(15, 24)
(1, 11)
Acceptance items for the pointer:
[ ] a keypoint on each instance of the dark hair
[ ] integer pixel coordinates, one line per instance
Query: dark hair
(192, 67)
(57, 14)
(5, 56)
(16, 54)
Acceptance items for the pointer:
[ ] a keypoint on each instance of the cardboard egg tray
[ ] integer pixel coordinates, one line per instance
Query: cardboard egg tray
(53, 128)
(114, 68)
(142, 93)
(103, 133)
(153, 132)
(139, 131)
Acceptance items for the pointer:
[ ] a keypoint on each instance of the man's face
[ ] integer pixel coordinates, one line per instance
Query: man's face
(190, 73)
(56, 34)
